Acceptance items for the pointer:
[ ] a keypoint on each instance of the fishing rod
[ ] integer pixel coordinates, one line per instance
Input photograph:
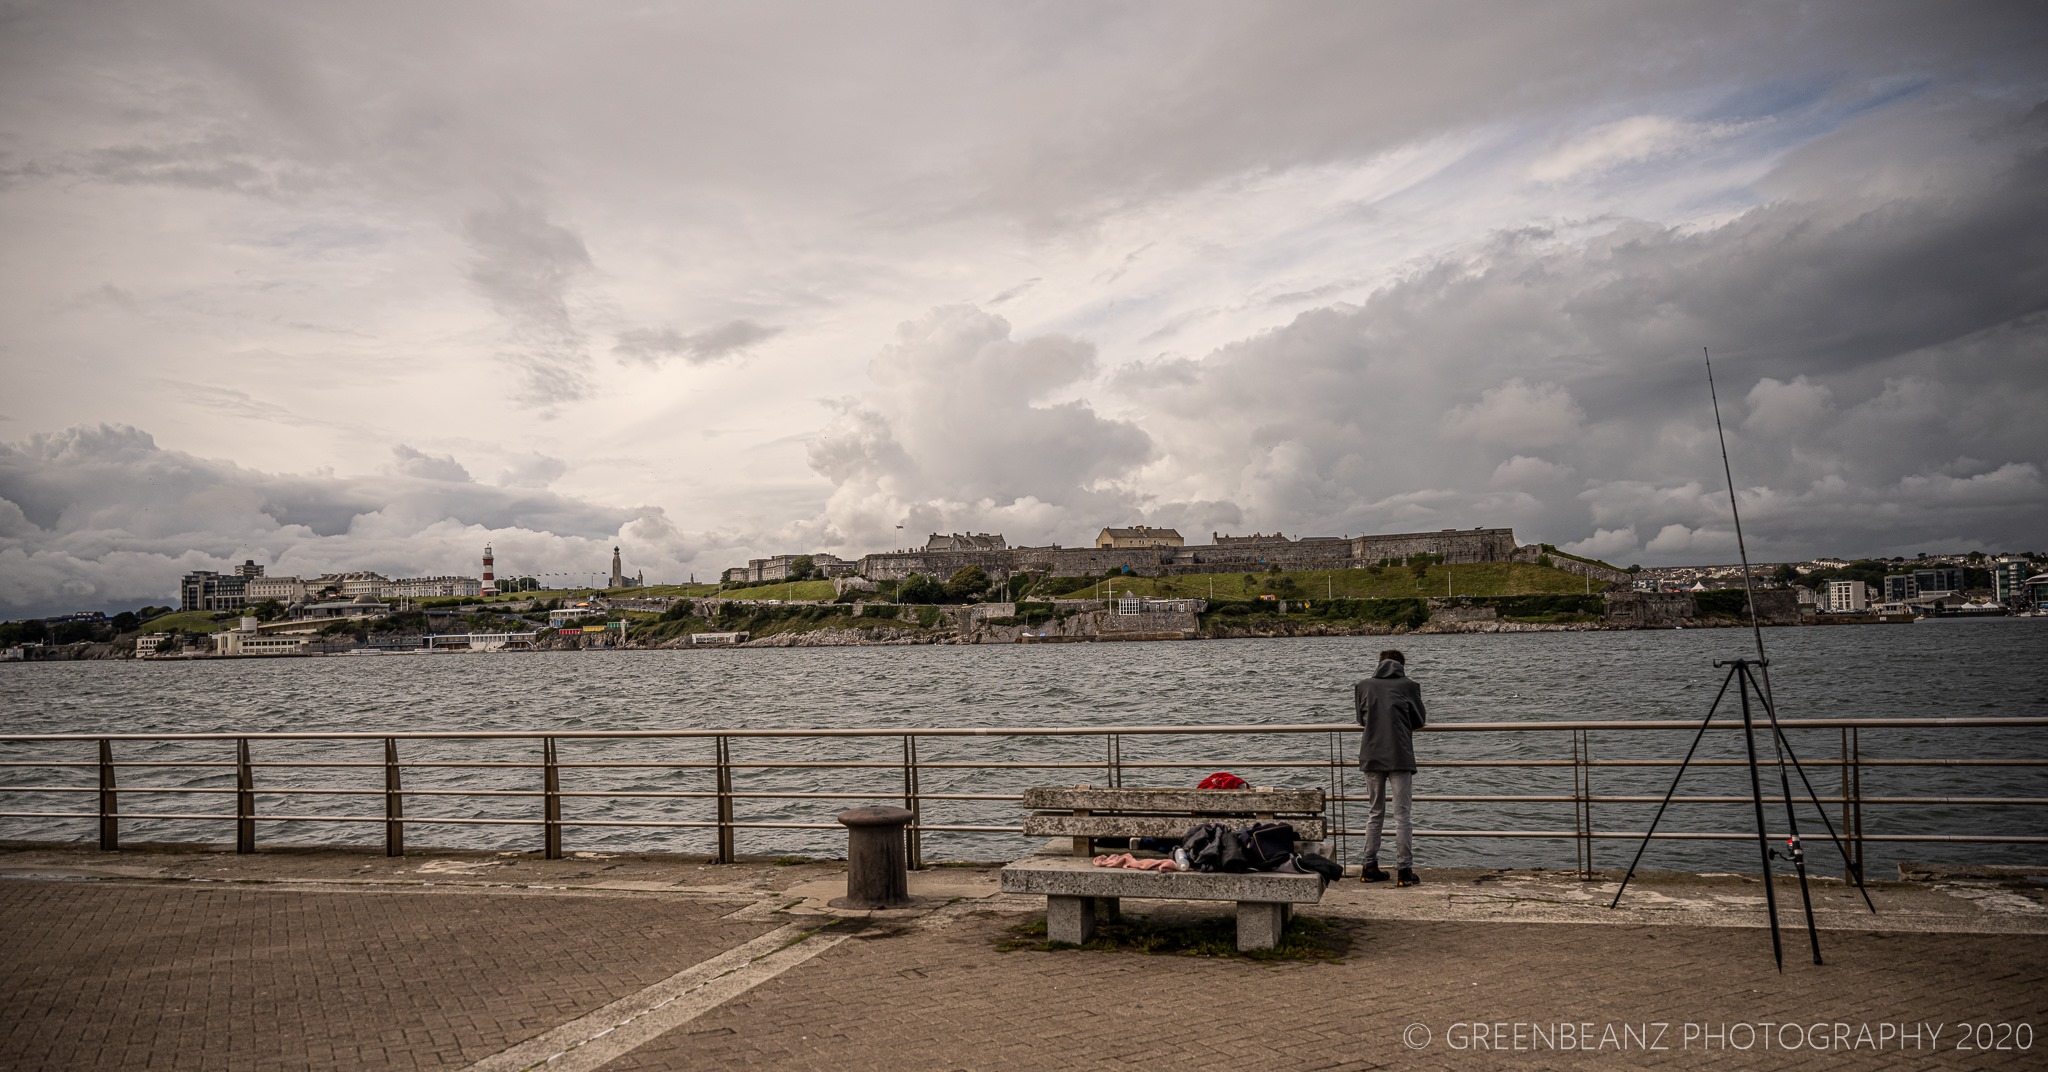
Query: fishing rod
(1752, 677)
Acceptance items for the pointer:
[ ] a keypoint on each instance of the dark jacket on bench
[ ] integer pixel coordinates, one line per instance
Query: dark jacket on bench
(1389, 706)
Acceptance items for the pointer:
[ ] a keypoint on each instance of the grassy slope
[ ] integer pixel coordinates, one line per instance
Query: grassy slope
(785, 590)
(194, 621)
(1480, 579)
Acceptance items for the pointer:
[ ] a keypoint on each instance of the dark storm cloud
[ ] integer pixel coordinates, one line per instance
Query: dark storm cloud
(654, 345)
(1879, 356)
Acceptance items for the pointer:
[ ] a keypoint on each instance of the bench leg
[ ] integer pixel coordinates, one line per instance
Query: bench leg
(1109, 908)
(1259, 924)
(1070, 919)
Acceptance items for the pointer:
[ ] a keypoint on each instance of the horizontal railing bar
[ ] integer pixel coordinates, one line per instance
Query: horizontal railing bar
(1549, 798)
(2012, 722)
(1686, 835)
(1438, 798)
(1051, 765)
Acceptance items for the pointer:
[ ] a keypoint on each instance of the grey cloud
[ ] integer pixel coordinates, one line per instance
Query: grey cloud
(1878, 357)
(654, 345)
(524, 265)
(103, 517)
(416, 463)
(1014, 292)
(951, 434)
(533, 471)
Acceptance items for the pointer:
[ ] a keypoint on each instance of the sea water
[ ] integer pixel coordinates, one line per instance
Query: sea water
(1927, 670)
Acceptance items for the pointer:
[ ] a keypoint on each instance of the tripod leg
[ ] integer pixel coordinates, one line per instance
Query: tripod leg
(1711, 708)
(1855, 872)
(1792, 824)
(1763, 837)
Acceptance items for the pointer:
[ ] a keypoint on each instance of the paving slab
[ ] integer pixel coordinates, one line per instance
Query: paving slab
(330, 959)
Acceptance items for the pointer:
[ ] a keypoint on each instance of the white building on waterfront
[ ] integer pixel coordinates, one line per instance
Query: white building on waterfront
(246, 640)
(1848, 597)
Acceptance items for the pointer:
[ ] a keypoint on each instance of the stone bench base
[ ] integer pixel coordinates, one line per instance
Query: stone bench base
(1071, 887)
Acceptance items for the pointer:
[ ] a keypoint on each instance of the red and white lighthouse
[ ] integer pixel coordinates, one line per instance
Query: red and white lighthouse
(490, 579)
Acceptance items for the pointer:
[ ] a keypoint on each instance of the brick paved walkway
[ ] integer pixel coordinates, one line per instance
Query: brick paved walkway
(323, 971)
(945, 1001)
(121, 976)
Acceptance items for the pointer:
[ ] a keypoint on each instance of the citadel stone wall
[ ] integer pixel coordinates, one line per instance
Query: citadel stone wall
(1247, 556)
(1456, 545)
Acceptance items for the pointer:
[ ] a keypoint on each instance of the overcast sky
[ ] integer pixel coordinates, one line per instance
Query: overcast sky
(367, 286)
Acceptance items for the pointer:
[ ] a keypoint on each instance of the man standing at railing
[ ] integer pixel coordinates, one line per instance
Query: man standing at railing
(1389, 707)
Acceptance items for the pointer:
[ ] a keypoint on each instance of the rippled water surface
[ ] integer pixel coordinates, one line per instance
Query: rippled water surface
(1956, 668)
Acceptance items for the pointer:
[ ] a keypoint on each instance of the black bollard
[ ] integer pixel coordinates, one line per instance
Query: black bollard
(876, 875)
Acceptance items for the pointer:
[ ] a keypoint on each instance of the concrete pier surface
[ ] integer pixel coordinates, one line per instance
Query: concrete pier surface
(182, 958)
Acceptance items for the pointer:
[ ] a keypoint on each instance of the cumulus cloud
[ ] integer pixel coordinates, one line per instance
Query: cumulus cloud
(532, 470)
(415, 463)
(1518, 414)
(959, 428)
(1522, 469)
(1847, 420)
(652, 346)
(1607, 545)
(103, 517)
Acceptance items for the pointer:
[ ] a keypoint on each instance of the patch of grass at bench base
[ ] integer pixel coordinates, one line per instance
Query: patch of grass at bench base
(1306, 938)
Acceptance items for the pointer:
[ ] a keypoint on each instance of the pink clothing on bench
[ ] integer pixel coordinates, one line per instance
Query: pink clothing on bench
(1126, 860)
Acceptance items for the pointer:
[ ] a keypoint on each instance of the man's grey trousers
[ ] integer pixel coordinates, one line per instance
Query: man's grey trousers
(1401, 786)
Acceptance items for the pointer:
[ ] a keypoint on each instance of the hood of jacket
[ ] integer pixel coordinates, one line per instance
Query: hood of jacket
(1390, 668)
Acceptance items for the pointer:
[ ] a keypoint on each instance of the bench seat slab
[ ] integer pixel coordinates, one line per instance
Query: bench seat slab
(1152, 826)
(1071, 877)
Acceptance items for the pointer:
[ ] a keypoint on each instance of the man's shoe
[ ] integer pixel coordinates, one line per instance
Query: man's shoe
(1407, 878)
(1372, 873)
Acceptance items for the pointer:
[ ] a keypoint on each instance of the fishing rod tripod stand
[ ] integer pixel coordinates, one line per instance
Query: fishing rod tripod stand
(1743, 676)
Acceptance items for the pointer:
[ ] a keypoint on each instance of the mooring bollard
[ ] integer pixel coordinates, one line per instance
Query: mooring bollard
(876, 876)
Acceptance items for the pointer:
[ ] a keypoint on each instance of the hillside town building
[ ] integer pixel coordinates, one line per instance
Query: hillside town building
(1139, 536)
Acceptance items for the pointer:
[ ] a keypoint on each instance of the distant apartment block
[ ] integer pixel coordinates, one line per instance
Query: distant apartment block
(1848, 597)
(211, 591)
(1937, 582)
(1900, 587)
(1139, 536)
(2009, 580)
(286, 590)
(448, 587)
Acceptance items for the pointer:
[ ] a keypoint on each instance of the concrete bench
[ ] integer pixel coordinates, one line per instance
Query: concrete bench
(1073, 886)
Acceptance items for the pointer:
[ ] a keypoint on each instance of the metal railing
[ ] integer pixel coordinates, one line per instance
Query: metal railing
(718, 808)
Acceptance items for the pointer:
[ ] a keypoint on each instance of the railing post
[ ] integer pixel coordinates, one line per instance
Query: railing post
(913, 838)
(245, 799)
(551, 801)
(110, 823)
(394, 802)
(725, 842)
(1582, 799)
(1114, 745)
(1852, 799)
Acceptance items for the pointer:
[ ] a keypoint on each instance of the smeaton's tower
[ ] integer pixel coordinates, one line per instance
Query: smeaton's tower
(490, 579)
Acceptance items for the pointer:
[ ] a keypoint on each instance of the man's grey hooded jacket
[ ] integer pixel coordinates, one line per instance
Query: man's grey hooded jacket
(1389, 706)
